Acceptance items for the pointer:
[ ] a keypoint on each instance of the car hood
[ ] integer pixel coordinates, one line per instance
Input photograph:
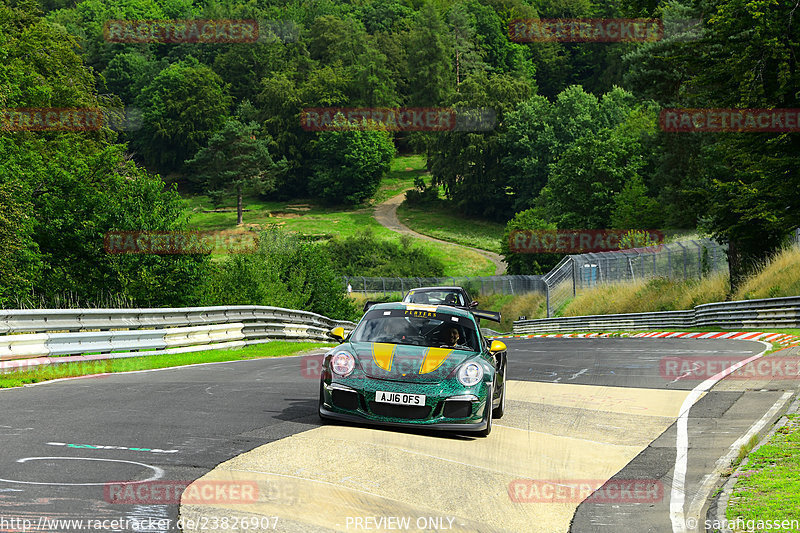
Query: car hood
(401, 362)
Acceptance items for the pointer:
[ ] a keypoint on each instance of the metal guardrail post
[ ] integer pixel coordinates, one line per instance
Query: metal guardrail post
(669, 263)
(683, 249)
(574, 276)
(547, 296)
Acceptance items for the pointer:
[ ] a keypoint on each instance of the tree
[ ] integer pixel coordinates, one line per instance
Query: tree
(524, 263)
(182, 107)
(584, 182)
(127, 73)
(235, 161)
(468, 164)
(348, 166)
(19, 256)
(429, 59)
(468, 57)
(748, 59)
(634, 208)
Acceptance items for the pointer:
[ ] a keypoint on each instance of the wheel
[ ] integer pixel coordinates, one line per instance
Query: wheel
(321, 400)
(485, 432)
(498, 411)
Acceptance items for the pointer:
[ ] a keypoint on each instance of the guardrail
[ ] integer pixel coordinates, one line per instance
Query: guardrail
(33, 337)
(743, 314)
(45, 320)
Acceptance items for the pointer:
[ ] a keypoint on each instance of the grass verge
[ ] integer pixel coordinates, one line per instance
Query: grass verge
(511, 307)
(778, 276)
(769, 487)
(645, 296)
(400, 177)
(68, 370)
(441, 221)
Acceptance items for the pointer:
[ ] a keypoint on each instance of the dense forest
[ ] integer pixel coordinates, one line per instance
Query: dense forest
(576, 142)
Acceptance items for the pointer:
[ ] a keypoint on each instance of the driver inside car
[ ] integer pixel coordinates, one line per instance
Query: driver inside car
(449, 336)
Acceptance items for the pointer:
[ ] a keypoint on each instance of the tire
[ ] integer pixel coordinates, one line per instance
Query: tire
(500, 410)
(321, 401)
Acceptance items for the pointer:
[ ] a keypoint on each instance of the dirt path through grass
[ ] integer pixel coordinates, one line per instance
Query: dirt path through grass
(386, 216)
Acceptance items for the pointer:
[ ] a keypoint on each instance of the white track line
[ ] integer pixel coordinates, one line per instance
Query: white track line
(678, 494)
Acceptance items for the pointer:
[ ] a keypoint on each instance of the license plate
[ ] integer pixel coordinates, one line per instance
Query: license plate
(399, 398)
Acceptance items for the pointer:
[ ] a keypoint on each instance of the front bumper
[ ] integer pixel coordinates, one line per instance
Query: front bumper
(448, 406)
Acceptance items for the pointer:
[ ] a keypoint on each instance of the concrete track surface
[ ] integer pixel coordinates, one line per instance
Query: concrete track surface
(582, 415)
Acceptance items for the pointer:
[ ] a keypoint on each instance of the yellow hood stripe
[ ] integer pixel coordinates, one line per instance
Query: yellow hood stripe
(382, 354)
(434, 358)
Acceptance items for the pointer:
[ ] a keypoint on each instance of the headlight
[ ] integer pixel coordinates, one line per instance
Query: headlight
(470, 374)
(343, 363)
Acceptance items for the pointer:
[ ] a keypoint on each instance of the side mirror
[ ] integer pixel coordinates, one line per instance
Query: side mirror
(337, 333)
(473, 304)
(497, 346)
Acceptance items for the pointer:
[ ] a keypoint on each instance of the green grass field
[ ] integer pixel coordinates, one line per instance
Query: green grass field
(446, 223)
(401, 177)
(769, 486)
(68, 370)
(307, 218)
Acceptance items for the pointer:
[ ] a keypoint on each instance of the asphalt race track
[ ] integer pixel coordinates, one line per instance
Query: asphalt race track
(581, 413)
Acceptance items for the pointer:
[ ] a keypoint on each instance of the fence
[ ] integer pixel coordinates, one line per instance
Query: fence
(34, 337)
(682, 259)
(475, 285)
(744, 314)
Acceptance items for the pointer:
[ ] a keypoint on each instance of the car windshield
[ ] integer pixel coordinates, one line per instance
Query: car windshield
(417, 328)
(435, 298)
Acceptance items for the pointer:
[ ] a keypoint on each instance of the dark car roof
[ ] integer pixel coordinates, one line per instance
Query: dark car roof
(415, 289)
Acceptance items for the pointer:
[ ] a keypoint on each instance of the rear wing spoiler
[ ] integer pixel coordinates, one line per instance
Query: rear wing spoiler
(488, 315)
(368, 304)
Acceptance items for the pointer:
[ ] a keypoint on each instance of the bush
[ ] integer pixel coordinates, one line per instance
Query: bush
(521, 263)
(365, 255)
(422, 194)
(283, 272)
(349, 165)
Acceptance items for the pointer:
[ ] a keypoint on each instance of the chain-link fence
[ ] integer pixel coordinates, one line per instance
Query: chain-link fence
(474, 285)
(683, 260)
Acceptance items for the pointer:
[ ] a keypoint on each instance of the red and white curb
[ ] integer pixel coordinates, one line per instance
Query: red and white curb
(782, 339)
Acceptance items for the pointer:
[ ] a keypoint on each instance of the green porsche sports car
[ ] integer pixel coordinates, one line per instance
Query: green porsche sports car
(415, 365)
